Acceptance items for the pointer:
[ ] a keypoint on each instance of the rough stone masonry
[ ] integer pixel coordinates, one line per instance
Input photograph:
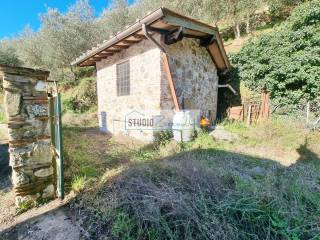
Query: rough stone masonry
(194, 75)
(30, 151)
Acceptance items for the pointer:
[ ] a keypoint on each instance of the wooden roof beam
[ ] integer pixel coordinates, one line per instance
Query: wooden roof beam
(88, 63)
(139, 36)
(176, 21)
(200, 27)
(131, 41)
(94, 59)
(103, 55)
(125, 46)
(120, 46)
(110, 51)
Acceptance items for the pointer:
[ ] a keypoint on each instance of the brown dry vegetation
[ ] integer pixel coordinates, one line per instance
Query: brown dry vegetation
(233, 46)
(204, 189)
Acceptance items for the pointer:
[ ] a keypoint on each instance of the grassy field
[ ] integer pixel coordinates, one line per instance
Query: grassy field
(263, 185)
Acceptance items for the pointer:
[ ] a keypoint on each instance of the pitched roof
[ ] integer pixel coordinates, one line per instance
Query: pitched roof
(163, 21)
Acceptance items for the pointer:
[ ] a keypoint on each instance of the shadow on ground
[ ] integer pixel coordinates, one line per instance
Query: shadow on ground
(5, 169)
(58, 224)
(243, 193)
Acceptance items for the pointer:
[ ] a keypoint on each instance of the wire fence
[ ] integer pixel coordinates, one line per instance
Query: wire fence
(306, 113)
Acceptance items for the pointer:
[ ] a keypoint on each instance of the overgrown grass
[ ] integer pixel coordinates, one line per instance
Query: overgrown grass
(78, 183)
(278, 133)
(3, 117)
(82, 97)
(82, 163)
(186, 198)
(200, 189)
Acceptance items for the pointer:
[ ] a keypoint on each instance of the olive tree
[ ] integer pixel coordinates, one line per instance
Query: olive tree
(8, 54)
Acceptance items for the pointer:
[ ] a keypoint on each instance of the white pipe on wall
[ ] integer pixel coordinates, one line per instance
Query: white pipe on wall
(228, 86)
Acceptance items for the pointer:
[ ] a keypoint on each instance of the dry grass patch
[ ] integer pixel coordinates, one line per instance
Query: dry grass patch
(155, 201)
(203, 189)
(283, 140)
(205, 194)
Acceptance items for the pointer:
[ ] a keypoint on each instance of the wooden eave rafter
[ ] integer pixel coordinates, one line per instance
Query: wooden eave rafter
(130, 41)
(120, 47)
(108, 51)
(139, 36)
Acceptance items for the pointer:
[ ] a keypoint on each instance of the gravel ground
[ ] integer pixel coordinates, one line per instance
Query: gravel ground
(52, 221)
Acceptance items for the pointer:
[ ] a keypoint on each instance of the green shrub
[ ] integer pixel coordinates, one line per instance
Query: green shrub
(285, 62)
(163, 137)
(281, 9)
(71, 77)
(82, 97)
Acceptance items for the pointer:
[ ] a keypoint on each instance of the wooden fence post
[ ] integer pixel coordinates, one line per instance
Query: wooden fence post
(308, 112)
(249, 116)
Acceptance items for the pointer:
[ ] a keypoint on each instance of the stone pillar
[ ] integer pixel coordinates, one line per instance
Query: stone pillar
(30, 151)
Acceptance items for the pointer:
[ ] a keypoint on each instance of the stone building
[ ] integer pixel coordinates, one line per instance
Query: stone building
(163, 62)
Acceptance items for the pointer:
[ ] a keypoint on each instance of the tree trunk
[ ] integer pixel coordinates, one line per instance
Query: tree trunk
(248, 29)
(237, 33)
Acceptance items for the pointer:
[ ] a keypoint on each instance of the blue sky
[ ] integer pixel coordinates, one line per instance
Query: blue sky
(15, 15)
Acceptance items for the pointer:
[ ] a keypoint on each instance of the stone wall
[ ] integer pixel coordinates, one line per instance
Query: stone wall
(194, 75)
(144, 95)
(29, 139)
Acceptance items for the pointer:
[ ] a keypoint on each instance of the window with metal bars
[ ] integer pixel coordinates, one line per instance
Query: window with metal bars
(123, 78)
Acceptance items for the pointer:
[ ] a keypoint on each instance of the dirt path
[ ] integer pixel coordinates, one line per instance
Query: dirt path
(7, 204)
(3, 133)
(52, 221)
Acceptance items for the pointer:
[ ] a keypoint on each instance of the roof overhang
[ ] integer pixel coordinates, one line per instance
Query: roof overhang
(162, 21)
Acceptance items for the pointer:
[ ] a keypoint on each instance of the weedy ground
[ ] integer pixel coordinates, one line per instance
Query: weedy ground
(263, 185)
(3, 118)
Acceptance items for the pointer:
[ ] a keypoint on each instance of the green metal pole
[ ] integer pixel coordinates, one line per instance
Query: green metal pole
(52, 120)
(60, 162)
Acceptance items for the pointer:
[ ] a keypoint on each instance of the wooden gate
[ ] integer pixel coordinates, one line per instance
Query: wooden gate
(56, 139)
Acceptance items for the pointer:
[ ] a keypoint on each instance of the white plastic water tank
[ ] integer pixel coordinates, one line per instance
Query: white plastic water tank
(183, 126)
(103, 122)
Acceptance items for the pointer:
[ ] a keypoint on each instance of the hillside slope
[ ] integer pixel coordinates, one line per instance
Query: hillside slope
(286, 61)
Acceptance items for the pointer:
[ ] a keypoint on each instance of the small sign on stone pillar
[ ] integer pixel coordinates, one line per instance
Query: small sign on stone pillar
(30, 151)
